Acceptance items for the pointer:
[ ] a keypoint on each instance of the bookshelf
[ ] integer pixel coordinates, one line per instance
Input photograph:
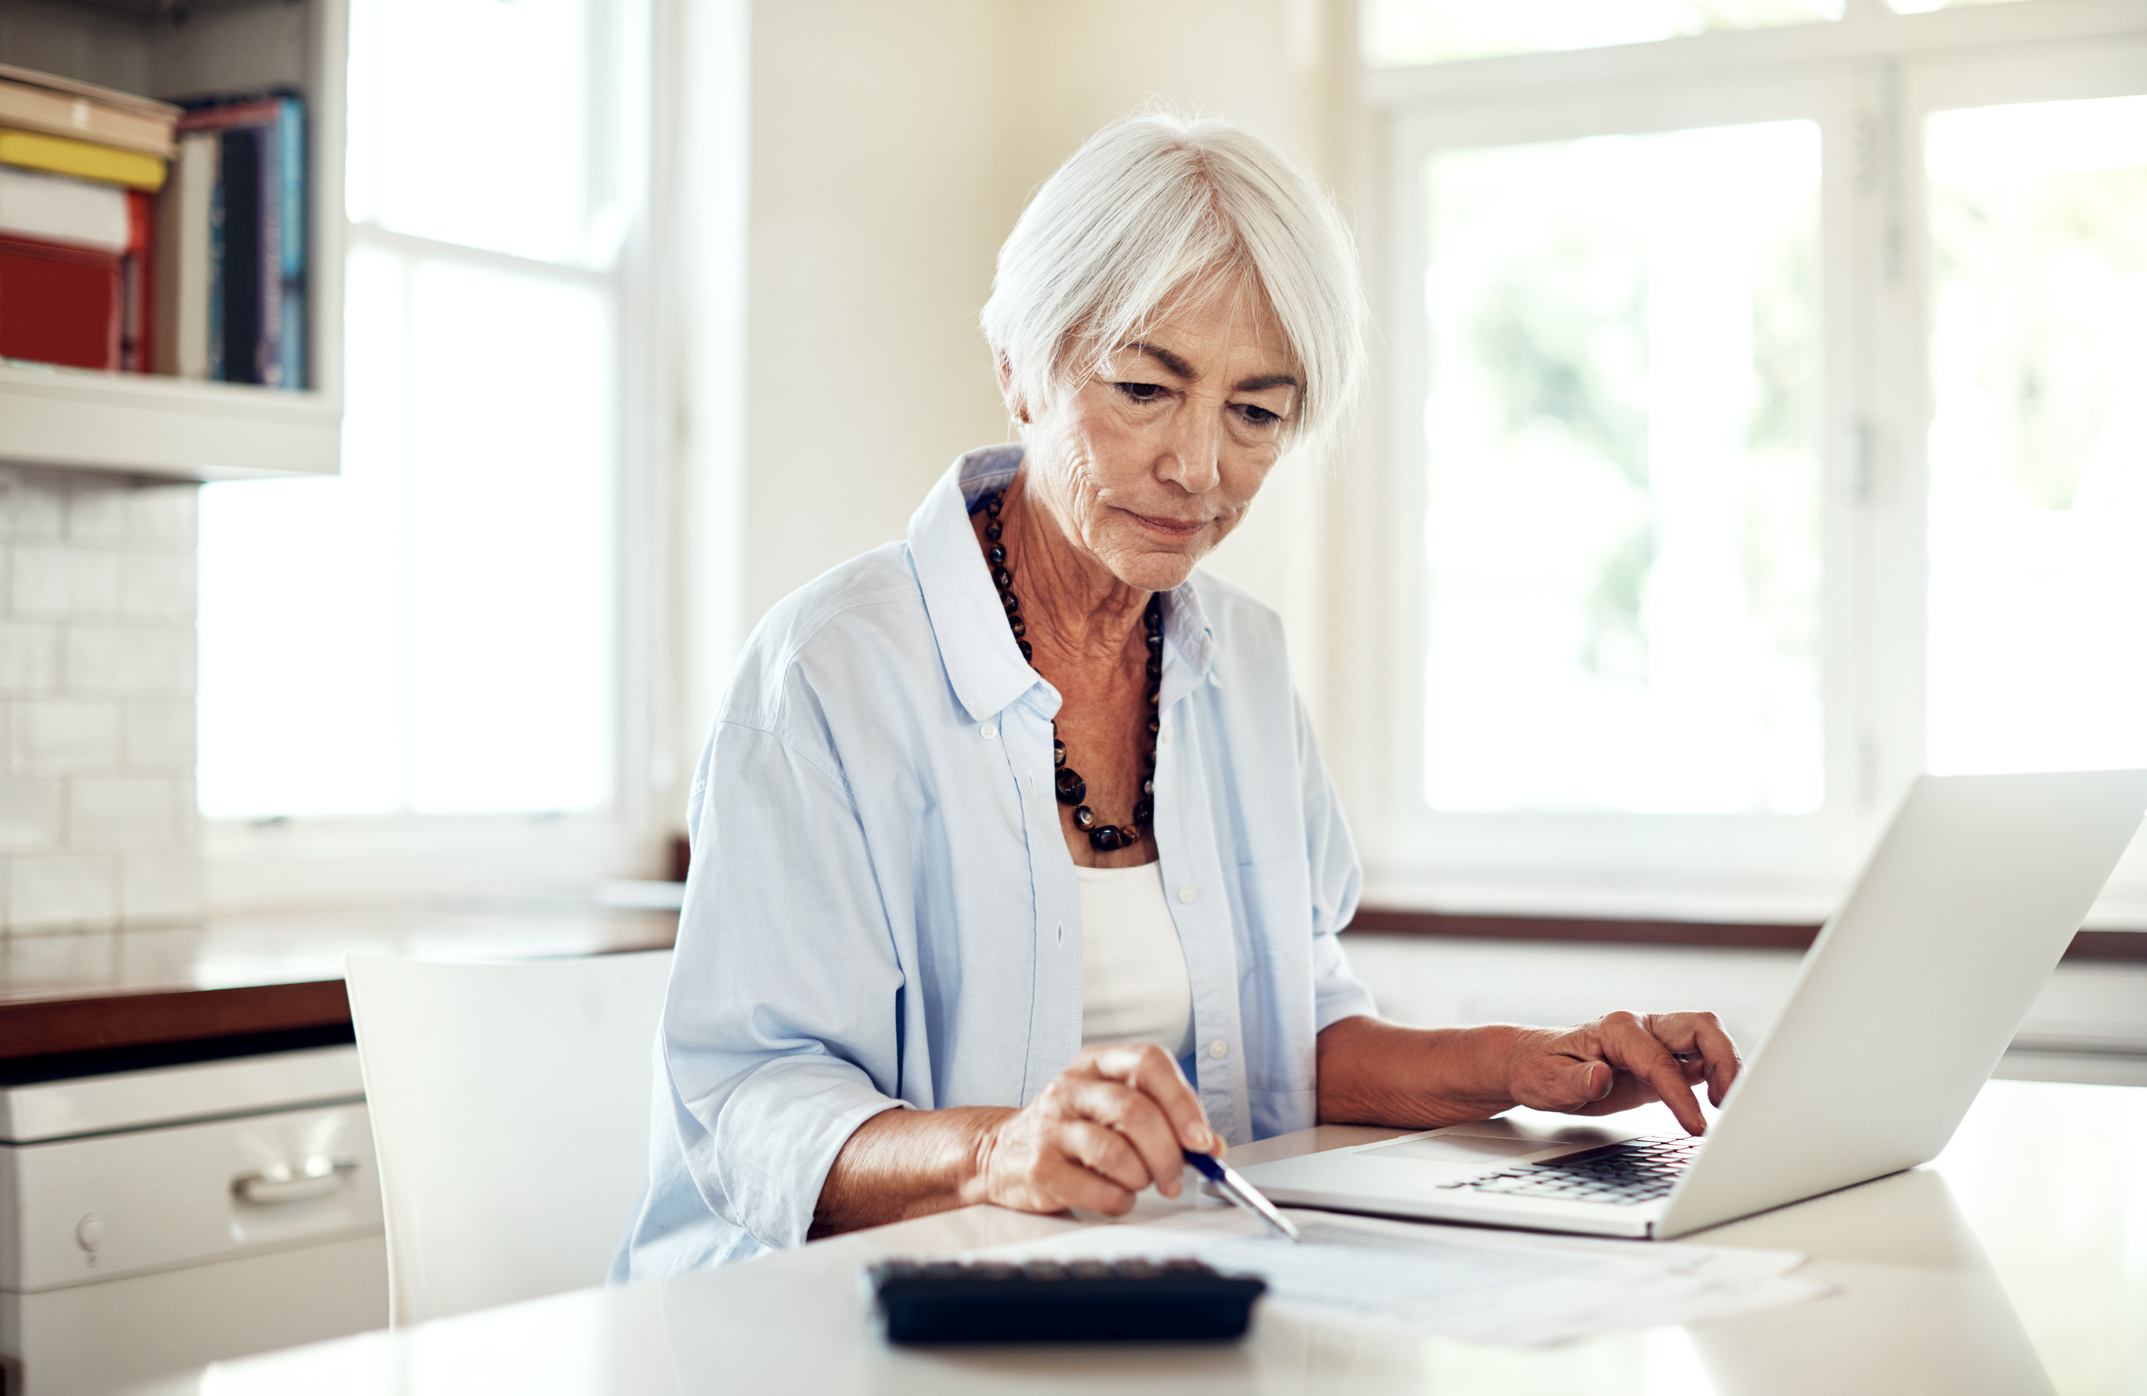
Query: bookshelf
(151, 425)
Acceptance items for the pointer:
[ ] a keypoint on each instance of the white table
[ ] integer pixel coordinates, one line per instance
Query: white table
(2015, 1265)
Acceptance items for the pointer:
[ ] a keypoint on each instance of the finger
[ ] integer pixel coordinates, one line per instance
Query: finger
(1701, 1038)
(1104, 1152)
(1565, 1075)
(1133, 1116)
(1152, 1071)
(1628, 1044)
(1066, 1171)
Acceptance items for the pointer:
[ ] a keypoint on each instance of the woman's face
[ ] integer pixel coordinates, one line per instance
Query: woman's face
(1150, 464)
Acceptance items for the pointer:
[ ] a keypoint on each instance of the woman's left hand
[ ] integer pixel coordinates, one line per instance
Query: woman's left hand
(1622, 1060)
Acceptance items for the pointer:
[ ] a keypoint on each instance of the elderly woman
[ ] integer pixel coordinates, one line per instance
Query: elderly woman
(1015, 867)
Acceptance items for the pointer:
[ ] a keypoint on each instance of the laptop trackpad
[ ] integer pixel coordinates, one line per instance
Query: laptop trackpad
(1460, 1148)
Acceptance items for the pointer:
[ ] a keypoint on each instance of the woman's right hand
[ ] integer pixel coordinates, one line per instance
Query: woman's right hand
(1116, 1121)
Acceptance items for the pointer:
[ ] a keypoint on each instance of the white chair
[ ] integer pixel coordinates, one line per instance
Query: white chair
(510, 1109)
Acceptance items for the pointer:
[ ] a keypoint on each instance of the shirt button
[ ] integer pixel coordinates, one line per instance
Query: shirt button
(990, 731)
(1163, 734)
(1218, 1049)
(1188, 892)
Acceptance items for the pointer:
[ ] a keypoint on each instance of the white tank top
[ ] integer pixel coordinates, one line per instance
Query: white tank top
(1134, 987)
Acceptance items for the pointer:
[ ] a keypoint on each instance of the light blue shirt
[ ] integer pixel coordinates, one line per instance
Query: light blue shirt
(882, 911)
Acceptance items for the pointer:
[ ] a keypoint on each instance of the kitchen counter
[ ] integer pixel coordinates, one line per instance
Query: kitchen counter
(242, 976)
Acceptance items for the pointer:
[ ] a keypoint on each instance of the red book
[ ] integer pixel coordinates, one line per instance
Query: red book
(59, 304)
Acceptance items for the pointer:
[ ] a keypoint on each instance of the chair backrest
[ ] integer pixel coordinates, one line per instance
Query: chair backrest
(510, 1110)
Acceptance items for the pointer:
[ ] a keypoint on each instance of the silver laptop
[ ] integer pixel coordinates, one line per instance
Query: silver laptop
(1898, 1016)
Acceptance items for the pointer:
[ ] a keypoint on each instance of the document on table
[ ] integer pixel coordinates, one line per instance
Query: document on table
(1486, 1286)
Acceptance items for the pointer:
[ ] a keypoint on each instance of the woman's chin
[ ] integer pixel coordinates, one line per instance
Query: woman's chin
(1152, 571)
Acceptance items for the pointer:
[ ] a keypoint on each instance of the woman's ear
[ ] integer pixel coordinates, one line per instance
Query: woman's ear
(1015, 407)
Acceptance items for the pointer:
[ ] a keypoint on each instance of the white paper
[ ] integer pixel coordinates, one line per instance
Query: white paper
(1486, 1286)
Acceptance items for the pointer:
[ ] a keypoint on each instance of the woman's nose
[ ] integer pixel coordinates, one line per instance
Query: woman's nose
(1192, 455)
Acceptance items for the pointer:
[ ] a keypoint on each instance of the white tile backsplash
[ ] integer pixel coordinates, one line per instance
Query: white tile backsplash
(63, 734)
(29, 657)
(33, 814)
(130, 659)
(97, 678)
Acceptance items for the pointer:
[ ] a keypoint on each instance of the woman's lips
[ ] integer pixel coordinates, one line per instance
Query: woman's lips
(1170, 528)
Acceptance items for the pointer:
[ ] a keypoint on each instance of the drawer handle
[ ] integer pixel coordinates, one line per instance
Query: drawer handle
(280, 1182)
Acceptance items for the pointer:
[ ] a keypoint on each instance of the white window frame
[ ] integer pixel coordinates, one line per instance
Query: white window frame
(255, 864)
(1867, 81)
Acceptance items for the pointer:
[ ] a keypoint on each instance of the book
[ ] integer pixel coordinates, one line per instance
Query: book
(239, 345)
(183, 274)
(59, 208)
(57, 106)
(137, 286)
(59, 303)
(83, 159)
(258, 239)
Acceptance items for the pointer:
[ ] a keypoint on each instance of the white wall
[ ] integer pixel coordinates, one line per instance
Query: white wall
(831, 362)
(2088, 1024)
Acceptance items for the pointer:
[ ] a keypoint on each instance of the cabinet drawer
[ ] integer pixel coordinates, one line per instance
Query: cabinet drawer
(118, 1204)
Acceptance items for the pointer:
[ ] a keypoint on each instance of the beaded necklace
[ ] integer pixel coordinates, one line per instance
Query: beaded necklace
(1072, 790)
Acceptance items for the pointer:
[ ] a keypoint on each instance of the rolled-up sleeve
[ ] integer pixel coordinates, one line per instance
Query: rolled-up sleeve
(1337, 879)
(780, 1031)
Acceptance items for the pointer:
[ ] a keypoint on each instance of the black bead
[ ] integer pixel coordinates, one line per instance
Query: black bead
(1154, 618)
(1021, 627)
(1009, 600)
(1084, 817)
(1148, 787)
(1026, 652)
(1155, 691)
(1001, 578)
(993, 505)
(1144, 811)
(993, 529)
(995, 555)
(1154, 726)
(1155, 666)
(1072, 789)
(1106, 839)
(1058, 752)
(1155, 642)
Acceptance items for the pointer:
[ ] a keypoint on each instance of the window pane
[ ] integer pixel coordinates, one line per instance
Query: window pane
(301, 587)
(431, 631)
(2038, 650)
(1400, 32)
(469, 122)
(1622, 536)
(510, 641)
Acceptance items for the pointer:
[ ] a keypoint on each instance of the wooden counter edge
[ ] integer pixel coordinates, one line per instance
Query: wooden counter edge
(49, 1027)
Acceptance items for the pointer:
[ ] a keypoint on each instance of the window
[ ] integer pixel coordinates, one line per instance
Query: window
(1622, 531)
(435, 632)
(2038, 646)
(1761, 406)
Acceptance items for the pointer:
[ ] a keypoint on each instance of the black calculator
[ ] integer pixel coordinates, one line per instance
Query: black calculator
(1043, 1301)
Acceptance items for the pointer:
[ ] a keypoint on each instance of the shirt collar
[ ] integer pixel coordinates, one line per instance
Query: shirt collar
(985, 668)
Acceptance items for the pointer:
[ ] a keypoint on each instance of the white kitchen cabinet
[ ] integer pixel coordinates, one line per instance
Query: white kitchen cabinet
(163, 1218)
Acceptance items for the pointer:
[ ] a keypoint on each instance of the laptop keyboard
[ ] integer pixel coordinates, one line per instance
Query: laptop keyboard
(1638, 1170)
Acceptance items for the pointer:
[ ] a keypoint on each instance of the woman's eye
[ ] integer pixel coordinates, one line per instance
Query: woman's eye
(1259, 416)
(1141, 392)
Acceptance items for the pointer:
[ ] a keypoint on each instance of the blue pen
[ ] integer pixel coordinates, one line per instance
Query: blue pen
(1244, 1194)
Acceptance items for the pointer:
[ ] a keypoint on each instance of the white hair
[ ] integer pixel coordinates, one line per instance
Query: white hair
(1159, 205)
